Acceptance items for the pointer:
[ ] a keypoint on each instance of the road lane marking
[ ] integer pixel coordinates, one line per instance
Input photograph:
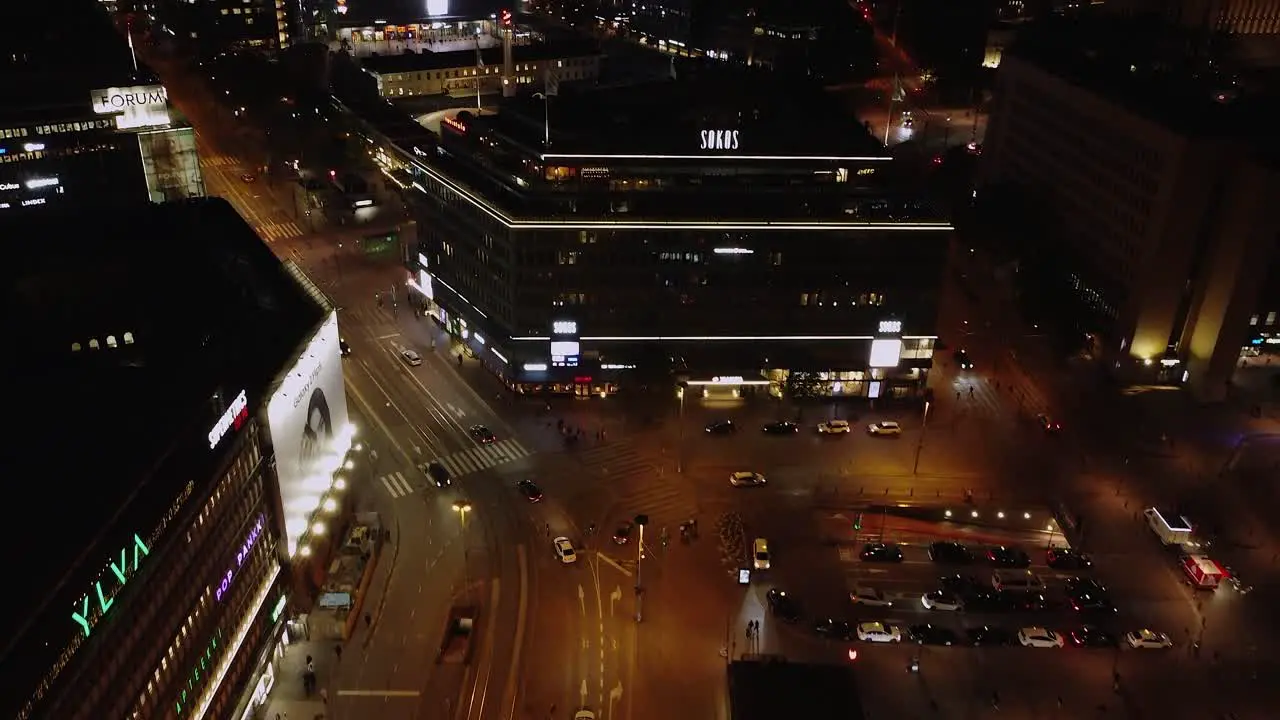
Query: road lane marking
(379, 693)
(396, 484)
(614, 563)
(509, 693)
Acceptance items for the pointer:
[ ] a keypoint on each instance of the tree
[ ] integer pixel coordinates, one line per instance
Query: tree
(804, 385)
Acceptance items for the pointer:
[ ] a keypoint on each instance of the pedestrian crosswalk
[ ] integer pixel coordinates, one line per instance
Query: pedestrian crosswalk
(983, 397)
(396, 484)
(218, 161)
(639, 485)
(280, 231)
(483, 457)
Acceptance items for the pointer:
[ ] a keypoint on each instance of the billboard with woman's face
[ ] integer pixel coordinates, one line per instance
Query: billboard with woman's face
(308, 418)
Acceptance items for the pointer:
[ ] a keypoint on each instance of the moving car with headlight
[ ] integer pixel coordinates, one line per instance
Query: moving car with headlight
(482, 434)
(884, 428)
(745, 478)
(411, 357)
(564, 550)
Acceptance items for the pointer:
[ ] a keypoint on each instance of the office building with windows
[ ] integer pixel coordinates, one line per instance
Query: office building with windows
(702, 228)
(1157, 187)
(82, 125)
(146, 463)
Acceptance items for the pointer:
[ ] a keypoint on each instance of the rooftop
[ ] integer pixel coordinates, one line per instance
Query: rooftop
(54, 64)
(403, 12)
(106, 436)
(1147, 69)
(492, 57)
(774, 690)
(774, 117)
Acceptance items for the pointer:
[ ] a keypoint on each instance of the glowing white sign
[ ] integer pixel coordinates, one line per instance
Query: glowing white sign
(535, 367)
(233, 417)
(733, 251)
(719, 140)
(885, 353)
(890, 326)
(564, 327)
(9, 186)
(134, 107)
(42, 182)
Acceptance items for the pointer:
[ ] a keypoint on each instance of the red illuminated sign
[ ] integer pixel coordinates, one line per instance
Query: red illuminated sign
(582, 379)
(455, 124)
(506, 19)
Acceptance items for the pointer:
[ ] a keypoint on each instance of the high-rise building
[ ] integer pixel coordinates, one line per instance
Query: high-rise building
(1158, 204)
(744, 234)
(178, 420)
(83, 124)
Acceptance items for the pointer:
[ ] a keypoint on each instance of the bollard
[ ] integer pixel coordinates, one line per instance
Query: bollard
(886, 491)
(912, 493)
(862, 490)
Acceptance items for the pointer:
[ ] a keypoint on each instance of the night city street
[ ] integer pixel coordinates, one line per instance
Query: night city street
(573, 361)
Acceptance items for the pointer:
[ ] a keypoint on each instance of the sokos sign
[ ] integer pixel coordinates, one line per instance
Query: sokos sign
(719, 140)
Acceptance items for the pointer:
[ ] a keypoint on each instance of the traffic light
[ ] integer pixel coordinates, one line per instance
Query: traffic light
(857, 521)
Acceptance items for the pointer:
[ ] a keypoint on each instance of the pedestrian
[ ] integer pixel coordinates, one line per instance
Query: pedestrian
(324, 696)
(311, 666)
(749, 628)
(957, 394)
(368, 619)
(337, 650)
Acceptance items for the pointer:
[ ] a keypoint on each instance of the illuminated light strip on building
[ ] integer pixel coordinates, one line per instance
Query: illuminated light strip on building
(702, 338)
(501, 357)
(460, 295)
(789, 158)
(480, 204)
(224, 664)
(507, 221)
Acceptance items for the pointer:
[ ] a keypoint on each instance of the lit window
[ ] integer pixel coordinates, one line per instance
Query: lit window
(1253, 320)
(1271, 318)
(75, 347)
(111, 341)
(93, 344)
(128, 338)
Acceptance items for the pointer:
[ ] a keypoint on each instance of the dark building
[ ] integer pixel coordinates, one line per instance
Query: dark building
(82, 125)
(149, 477)
(212, 26)
(1153, 181)
(767, 689)
(723, 226)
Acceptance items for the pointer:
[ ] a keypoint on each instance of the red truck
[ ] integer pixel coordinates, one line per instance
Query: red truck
(455, 648)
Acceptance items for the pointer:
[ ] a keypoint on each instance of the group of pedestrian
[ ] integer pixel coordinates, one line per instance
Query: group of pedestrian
(753, 629)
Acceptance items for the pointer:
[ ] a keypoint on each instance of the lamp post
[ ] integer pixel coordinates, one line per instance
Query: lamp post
(641, 521)
(1052, 532)
(680, 430)
(463, 508)
(924, 425)
(546, 118)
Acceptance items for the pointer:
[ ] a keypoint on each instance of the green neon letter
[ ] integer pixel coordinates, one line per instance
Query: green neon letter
(138, 545)
(82, 617)
(120, 569)
(104, 602)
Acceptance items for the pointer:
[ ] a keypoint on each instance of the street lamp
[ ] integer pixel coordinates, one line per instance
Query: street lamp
(680, 430)
(546, 118)
(924, 425)
(463, 508)
(641, 520)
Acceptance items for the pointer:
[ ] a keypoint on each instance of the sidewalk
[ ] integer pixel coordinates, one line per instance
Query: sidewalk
(331, 660)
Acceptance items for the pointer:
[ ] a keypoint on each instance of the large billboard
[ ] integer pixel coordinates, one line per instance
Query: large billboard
(171, 164)
(310, 431)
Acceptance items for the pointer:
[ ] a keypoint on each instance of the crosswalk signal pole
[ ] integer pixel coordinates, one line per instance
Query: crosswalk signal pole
(680, 430)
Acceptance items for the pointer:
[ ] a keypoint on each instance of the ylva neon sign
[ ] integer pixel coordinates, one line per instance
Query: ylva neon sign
(87, 618)
(234, 417)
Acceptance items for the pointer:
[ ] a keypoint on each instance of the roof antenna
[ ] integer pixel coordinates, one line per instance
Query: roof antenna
(128, 31)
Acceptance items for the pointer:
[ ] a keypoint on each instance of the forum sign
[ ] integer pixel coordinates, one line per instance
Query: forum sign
(138, 106)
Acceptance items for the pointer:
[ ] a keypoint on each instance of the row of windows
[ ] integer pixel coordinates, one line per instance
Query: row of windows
(57, 128)
(22, 157)
(126, 338)
(1271, 319)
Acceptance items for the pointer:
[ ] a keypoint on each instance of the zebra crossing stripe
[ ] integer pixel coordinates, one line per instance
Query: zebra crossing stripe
(396, 485)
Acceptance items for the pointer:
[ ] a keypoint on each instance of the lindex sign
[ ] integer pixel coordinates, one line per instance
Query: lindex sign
(98, 601)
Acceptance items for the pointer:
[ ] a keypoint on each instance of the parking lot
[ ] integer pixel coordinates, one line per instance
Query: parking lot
(980, 657)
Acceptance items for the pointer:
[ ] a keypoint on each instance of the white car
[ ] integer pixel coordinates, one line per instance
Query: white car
(746, 479)
(1148, 640)
(565, 551)
(834, 427)
(1039, 637)
(871, 597)
(941, 600)
(878, 632)
(760, 554)
(411, 357)
(584, 715)
(884, 427)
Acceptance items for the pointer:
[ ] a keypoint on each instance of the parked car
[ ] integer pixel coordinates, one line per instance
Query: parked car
(991, 636)
(834, 427)
(780, 427)
(1148, 640)
(947, 551)
(1010, 557)
(929, 634)
(721, 427)
(1039, 637)
(871, 597)
(1067, 559)
(941, 600)
(878, 632)
(881, 552)
(783, 606)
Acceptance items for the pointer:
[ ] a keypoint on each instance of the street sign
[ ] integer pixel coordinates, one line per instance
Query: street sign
(744, 576)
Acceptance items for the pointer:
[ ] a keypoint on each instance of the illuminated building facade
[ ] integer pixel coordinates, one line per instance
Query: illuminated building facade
(160, 588)
(1156, 197)
(457, 73)
(88, 128)
(726, 239)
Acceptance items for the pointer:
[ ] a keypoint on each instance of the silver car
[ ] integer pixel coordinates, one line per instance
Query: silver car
(871, 597)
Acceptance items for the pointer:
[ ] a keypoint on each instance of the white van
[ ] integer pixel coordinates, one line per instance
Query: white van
(760, 554)
(1017, 580)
